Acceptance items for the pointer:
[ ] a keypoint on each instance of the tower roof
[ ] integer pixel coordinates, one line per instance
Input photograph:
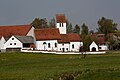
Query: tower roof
(60, 18)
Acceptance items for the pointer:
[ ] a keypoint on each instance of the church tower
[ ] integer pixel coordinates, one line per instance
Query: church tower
(61, 23)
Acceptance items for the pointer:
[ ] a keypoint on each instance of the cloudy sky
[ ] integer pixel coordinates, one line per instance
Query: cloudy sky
(17, 12)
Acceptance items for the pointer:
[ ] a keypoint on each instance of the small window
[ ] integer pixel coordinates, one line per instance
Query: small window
(55, 44)
(67, 49)
(48, 45)
(73, 46)
(100, 48)
(62, 44)
(12, 38)
(60, 49)
(14, 43)
(10, 43)
(62, 24)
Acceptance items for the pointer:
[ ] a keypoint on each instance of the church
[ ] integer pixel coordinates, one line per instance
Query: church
(57, 39)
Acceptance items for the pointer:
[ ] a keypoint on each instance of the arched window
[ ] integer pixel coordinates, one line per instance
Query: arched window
(55, 44)
(44, 43)
(48, 45)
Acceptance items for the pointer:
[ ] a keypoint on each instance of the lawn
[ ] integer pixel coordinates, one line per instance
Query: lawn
(30, 66)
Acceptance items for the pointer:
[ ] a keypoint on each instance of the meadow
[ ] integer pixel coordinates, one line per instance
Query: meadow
(31, 66)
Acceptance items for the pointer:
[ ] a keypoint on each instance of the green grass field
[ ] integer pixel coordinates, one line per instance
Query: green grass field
(29, 66)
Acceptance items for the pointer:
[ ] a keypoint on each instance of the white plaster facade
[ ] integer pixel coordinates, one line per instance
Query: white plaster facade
(2, 42)
(47, 45)
(13, 42)
(64, 47)
(93, 46)
(75, 46)
(103, 47)
(62, 27)
(31, 32)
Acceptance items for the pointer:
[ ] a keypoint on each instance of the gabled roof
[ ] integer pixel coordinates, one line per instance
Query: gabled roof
(25, 39)
(99, 38)
(47, 34)
(60, 18)
(67, 38)
(8, 31)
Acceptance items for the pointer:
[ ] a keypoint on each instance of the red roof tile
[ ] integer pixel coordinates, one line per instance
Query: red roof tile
(66, 38)
(8, 31)
(47, 34)
(60, 18)
(99, 38)
(74, 37)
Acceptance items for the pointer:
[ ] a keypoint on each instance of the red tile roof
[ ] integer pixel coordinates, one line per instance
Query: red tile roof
(99, 38)
(8, 31)
(74, 37)
(67, 38)
(60, 18)
(64, 39)
(47, 34)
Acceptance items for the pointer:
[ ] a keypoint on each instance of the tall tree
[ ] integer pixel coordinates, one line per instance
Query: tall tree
(44, 23)
(76, 29)
(86, 42)
(69, 26)
(39, 23)
(52, 23)
(36, 23)
(84, 31)
(106, 26)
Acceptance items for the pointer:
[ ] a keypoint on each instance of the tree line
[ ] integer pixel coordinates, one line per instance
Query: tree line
(105, 26)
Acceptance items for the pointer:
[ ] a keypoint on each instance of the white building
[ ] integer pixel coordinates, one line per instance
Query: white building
(16, 43)
(57, 39)
(100, 41)
(46, 39)
(93, 46)
(19, 30)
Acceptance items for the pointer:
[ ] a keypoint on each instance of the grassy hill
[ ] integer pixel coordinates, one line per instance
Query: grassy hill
(29, 66)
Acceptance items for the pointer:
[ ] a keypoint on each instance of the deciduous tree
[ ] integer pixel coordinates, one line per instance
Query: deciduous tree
(106, 26)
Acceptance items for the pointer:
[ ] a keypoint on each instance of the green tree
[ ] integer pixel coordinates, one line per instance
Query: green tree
(39, 23)
(36, 23)
(106, 26)
(84, 31)
(52, 23)
(69, 26)
(76, 29)
(44, 23)
(86, 42)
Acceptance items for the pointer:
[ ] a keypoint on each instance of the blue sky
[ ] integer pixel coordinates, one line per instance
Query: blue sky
(17, 12)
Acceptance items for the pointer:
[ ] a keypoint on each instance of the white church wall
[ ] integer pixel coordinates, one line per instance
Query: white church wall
(44, 45)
